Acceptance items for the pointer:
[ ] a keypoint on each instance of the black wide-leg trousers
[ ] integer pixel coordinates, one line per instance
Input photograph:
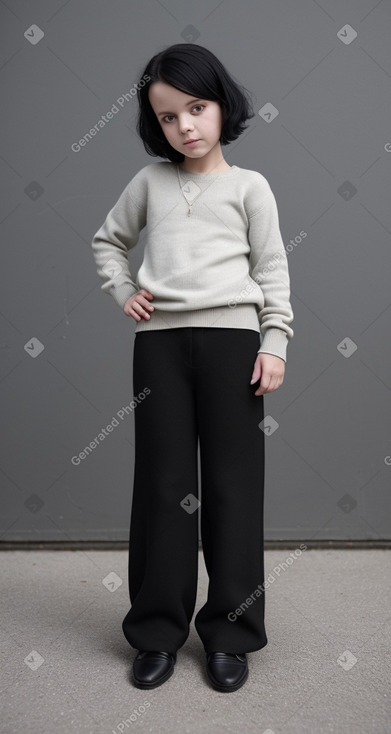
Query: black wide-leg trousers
(195, 385)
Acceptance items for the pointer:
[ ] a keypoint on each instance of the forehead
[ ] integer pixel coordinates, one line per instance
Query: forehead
(160, 93)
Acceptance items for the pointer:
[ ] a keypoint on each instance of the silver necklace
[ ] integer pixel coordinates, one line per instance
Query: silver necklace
(190, 203)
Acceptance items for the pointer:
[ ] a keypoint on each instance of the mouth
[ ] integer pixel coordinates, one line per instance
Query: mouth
(191, 142)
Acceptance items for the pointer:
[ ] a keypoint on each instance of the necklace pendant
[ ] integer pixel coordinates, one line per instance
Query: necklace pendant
(189, 212)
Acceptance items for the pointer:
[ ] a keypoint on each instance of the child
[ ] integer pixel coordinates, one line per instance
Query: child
(214, 276)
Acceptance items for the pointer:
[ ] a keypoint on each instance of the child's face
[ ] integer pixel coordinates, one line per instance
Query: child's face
(182, 117)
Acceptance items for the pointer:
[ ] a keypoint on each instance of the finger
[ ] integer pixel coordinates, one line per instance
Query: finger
(266, 383)
(128, 310)
(255, 377)
(146, 304)
(271, 387)
(142, 310)
(273, 384)
(135, 310)
(135, 315)
(264, 386)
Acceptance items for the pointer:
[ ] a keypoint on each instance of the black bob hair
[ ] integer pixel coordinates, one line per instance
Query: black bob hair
(194, 70)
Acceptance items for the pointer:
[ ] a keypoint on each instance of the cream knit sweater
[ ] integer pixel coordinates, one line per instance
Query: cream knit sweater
(224, 265)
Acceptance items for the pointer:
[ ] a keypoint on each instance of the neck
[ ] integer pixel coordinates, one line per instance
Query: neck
(204, 165)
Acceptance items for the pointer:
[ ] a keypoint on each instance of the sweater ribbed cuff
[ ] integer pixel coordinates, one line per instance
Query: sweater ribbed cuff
(275, 341)
(121, 293)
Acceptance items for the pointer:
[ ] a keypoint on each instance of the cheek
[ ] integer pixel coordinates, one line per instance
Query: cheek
(172, 135)
(213, 124)
(166, 132)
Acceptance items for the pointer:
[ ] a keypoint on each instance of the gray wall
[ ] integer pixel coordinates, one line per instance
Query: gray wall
(327, 157)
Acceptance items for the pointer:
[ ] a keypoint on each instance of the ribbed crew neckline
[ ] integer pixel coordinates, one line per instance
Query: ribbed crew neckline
(234, 169)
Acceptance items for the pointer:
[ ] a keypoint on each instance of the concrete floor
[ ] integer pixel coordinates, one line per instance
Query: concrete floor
(66, 666)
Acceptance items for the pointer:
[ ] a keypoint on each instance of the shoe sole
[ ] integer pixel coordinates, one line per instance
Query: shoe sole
(142, 684)
(226, 689)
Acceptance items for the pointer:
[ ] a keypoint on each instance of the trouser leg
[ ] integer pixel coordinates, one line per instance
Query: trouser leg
(163, 538)
(232, 490)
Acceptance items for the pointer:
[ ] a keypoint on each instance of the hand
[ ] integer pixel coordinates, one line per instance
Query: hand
(137, 305)
(271, 370)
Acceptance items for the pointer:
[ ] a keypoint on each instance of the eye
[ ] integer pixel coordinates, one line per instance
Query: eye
(164, 119)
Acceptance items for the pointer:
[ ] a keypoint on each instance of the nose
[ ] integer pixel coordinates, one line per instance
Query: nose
(185, 123)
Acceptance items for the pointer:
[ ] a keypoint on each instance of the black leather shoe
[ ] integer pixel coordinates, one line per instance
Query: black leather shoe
(227, 671)
(152, 668)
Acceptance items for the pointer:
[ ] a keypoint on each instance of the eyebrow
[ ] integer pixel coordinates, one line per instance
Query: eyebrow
(186, 105)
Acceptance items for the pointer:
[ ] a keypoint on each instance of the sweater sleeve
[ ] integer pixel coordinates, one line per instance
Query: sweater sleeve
(111, 243)
(269, 268)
